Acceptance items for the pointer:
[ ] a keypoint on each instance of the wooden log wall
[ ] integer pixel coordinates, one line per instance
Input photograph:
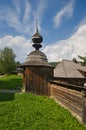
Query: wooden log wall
(35, 82)
(72, 99)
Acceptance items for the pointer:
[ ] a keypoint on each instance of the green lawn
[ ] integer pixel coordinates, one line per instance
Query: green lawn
(11, 82)
(31, 112)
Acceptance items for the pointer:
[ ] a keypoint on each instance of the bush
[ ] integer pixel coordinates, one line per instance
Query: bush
(11, 82)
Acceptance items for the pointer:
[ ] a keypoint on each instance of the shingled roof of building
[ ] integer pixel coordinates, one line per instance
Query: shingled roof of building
(69, 69)
(36, 58)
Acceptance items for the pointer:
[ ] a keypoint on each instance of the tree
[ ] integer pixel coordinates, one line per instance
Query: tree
(54, 64)
(7, 60)
(84, 60)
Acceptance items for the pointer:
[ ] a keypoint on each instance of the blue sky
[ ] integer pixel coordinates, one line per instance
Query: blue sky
(62, 23)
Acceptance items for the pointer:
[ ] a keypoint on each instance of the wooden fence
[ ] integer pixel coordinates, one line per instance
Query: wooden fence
(73, 99)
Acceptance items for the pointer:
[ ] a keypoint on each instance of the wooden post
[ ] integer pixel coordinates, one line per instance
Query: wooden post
(83, 107)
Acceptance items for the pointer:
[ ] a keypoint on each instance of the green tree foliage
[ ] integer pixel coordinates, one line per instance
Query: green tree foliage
(7, 60)
(54, 64)
(84, 60)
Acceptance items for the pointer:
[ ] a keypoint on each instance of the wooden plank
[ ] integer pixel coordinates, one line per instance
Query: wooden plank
(66, 89)
(68, 93)
(67, 96)
(72, 99)
(78, 104)
(69, 105)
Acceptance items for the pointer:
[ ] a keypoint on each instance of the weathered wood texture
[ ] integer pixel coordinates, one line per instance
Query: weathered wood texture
(36, 80)
(84, 107)
(73, 81)
(72, 99)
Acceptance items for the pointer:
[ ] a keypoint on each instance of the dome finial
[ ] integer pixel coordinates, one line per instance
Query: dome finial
(37, 39)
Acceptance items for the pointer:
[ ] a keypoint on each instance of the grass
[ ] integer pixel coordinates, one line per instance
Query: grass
(31, 112)
(11, 82)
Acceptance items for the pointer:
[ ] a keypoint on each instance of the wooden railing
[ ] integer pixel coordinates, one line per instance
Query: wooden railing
(75, 100)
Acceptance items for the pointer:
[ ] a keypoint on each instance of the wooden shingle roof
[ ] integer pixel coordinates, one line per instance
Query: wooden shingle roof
(36, 58)
(69, 69)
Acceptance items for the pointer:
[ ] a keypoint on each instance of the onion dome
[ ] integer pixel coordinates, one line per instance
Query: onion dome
(37, 39)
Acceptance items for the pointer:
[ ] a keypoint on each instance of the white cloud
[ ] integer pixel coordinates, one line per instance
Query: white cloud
(38, 14)
(22, 16)
(64, 49)
(27, 12)
(11, 17)
(17, 5)
(20, 45)
(82, 22)
(69, 48)
(64, 14)
(40, 9)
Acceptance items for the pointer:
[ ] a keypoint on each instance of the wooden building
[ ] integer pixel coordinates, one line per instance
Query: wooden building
(37, 70)
(70, 72)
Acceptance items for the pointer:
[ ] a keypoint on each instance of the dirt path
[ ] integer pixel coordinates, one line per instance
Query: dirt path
(9, 91)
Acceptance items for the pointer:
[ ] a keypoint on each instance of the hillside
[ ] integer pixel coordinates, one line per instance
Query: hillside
(54, 64)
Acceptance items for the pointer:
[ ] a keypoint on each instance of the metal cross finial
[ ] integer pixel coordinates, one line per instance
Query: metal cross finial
(36, 26)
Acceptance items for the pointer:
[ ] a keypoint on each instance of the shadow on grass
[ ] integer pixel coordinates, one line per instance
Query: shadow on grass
(7, 96)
